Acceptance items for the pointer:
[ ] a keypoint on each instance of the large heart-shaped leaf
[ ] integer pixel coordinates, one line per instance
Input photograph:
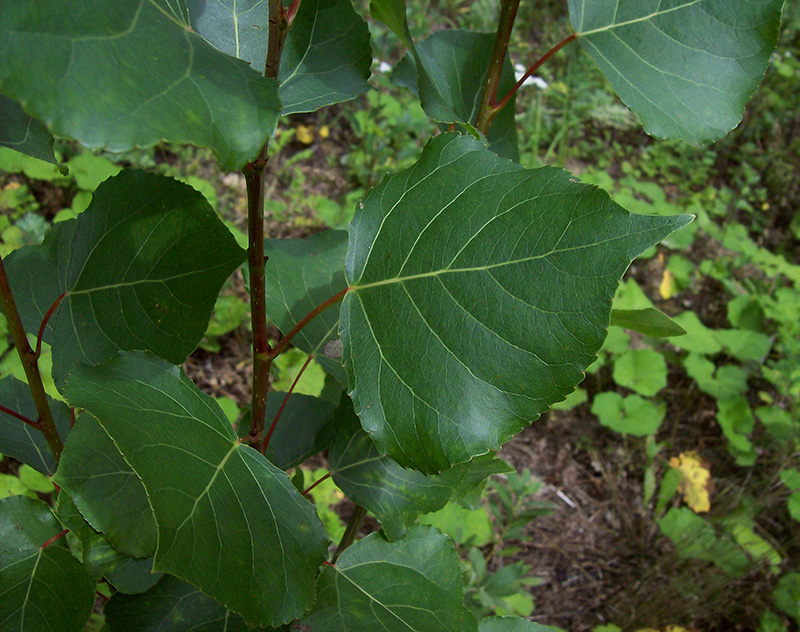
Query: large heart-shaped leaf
(40, 588)
(411, 585)
(300, 275)
(480, 291)
(395, 495)
(23, 133)
(686, 67)
(20, 440)
(127, 574)
(229, 522)
(450, 87)
(170, 606)
(141, 269)
(128, 74)
(93, 472)
(326, 56)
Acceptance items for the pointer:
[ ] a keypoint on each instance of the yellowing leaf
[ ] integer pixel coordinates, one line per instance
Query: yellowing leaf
(667, 287)
(324, 131)
(695, 484)
(305, 134)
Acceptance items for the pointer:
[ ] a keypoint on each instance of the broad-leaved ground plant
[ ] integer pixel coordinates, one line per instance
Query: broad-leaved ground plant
(467, 296)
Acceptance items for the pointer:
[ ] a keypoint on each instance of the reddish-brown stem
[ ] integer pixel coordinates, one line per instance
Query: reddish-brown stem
(532, 69)
(46, 318)
(30, 366)
(317, 482)
(305, 320)
(283, 405)
(256, 260)
(353, 525)
(71, 417)
(508, 14)
(30, 422)
(54, 539)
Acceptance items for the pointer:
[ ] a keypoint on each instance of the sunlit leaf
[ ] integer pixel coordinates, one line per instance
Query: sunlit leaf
(141, 269)
(686, 67)
(258, 536)
(495, 279)
(410, 585)
(130, 74)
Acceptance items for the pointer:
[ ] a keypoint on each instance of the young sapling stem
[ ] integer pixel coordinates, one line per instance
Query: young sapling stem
(292, 11)
(532, 69)
(46, 318)
(315, 483)
(28, 357)
(265, 444)
(508, 13)
(256, 260)
(305, 320)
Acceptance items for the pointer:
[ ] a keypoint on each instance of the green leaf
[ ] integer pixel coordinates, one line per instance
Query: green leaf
(395, 495)
(495, 279)
(630, 415)
(737, 421)
(172, 605)
(649, 322)
(641, 370)
(468, 527)
(303, 430)
(141, 268)
(393, 14)
(743, 344)
(787, 595)
(23, 133)
(258, 536)
(40, 588)
(326, 57)
(181, 89)
(698, 338)
(513, 624)
(20, 440)
(413, 584)
(92, 471)
(300, 275)
(686, 67)
(127, 574)
(450, 86)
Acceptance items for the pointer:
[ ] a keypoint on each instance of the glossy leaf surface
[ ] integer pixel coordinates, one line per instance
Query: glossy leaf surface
(23, 133)
(20, 440)
(182, 89)
(686, 67)
(480, 292)
(411, 585)
(127, 574)
(141, 268)
(106, 491)
(326, 56)
(172, 606)
(649, 322)
(300, 275)
(451, 84)
(41, 589)
(229, 522)
(397, 496)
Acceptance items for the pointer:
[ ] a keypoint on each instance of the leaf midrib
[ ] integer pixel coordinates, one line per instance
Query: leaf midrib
(644, 18)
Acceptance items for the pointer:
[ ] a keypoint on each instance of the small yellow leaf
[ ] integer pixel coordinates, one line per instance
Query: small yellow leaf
(324, 131)
(305, 134)
(696, 482)
(667, 287)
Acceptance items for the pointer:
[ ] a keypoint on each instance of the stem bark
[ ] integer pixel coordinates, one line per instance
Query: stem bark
(486, 112)
(30, 364)
(254, 178)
